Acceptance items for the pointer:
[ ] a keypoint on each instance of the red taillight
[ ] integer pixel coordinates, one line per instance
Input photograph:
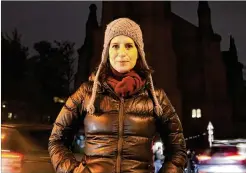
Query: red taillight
(11, 155)
(203, 158)
(236, 157)
(11, 161)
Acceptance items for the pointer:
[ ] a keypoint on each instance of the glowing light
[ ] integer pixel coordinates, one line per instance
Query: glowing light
(193, 113)
(198, 113)
(10, 115)
(3, 136)
(58, 100)
(203, 157)
(11, 161)
(236, 157)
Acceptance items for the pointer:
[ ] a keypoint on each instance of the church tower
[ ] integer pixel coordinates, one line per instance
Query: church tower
(216, 97)
(204, 19)
(86, 51)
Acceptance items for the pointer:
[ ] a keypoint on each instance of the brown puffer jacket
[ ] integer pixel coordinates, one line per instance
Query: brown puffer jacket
(119, 134)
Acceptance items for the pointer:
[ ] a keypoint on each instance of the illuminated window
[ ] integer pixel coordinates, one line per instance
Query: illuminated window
(193, 113)
(196, 113)
(10, 115)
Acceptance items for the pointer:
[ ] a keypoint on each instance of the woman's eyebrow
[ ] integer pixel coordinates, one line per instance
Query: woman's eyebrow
(114, 43)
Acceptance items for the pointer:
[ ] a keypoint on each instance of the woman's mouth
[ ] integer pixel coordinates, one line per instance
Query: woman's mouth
(122, 61)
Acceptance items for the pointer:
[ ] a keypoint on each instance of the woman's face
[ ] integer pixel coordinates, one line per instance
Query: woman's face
(123, 53)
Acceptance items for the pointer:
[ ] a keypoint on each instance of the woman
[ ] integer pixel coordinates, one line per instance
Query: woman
(121, 112)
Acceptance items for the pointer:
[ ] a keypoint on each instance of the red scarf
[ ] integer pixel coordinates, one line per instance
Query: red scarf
(125, 84)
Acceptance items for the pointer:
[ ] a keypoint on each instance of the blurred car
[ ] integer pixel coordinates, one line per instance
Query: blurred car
(25, 148)
(223, 159)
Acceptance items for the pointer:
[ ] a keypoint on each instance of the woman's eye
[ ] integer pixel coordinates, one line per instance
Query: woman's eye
(115, 46)
(128, 46)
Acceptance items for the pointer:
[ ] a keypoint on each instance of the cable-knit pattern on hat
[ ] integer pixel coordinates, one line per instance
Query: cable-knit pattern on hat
(123, 26)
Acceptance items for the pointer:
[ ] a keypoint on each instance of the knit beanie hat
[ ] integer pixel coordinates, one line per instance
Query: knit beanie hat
(126, 27)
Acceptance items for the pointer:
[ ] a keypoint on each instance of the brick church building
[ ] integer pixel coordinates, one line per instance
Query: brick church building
(187, 60)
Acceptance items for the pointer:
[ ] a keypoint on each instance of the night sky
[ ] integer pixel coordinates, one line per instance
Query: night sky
(59, 20)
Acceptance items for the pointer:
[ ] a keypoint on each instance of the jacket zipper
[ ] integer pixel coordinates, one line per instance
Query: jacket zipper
(120, 141)
(120, 135)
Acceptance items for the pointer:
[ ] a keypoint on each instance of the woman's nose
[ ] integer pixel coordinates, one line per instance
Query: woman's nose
(122, 51)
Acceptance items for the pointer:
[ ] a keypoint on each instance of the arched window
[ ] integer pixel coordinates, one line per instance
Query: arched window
(196, 113)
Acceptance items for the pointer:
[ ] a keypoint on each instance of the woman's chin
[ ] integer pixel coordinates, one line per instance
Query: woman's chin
(122, 70)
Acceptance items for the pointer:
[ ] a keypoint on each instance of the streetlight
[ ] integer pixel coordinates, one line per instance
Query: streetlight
(59, 100)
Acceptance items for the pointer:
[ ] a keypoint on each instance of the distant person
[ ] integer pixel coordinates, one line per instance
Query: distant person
(192, 161)
(158, 159)
(122, 112)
